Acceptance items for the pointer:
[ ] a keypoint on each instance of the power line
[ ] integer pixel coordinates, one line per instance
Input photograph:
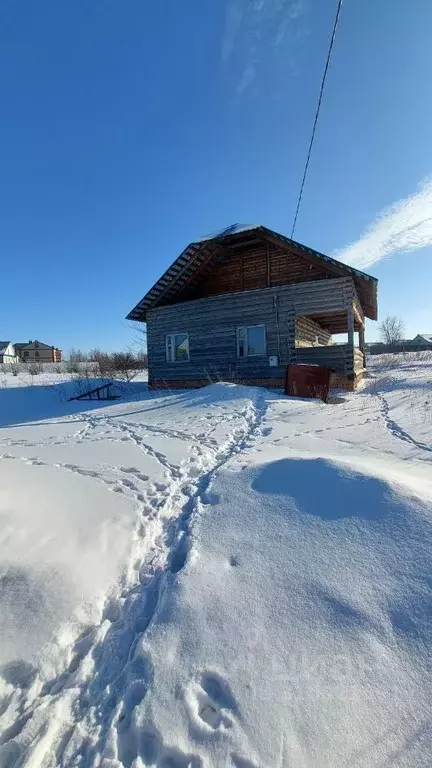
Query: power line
(317, 114)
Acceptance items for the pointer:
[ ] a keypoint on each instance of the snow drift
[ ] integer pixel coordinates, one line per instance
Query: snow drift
(224, 577)
(298, 632)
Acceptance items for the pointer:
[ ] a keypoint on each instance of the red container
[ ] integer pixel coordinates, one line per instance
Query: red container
(307, 381)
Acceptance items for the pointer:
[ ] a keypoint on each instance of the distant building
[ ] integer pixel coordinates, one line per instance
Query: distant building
(7, 353)
(422, 338)
(37, 352)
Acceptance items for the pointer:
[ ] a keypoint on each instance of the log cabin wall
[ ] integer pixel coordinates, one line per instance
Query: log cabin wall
(308, 333)
(262, 265)
(211, 324)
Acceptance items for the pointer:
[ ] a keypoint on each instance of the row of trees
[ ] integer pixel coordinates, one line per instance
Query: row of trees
(123, 365)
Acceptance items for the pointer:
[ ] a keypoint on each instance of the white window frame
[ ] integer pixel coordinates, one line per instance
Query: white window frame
(245, 329)
(170, 347)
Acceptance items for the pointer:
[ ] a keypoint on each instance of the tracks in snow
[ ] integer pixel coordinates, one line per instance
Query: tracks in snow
(396, 430)
(109, 670)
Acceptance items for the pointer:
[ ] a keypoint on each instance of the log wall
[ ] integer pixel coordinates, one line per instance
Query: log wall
(260, 265)
(212, 322)
(308, 333)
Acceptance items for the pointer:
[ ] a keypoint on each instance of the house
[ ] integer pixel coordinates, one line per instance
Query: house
(422, 338)
(36, 351)
(242, 304)
(7, 353)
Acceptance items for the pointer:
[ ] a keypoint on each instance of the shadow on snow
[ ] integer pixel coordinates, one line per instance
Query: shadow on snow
(320, 488)
(22, 405)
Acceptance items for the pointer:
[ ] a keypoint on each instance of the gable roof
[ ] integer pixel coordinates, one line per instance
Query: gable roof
(3, 346)
(204, 251)
(426, 336)
(41, 345)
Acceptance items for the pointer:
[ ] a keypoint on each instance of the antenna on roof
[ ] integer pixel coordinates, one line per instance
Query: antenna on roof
(316, 115)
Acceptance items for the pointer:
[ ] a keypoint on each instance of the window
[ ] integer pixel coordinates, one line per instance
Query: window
(26, 354)
(251, 341)
(36, 354)
(177, 347)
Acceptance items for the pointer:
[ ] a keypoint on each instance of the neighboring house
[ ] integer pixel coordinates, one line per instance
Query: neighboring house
(422, 338)
(36, 351)
(240, 305)
(7, 353)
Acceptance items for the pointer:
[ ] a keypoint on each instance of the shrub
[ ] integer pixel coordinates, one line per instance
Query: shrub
(34, 369)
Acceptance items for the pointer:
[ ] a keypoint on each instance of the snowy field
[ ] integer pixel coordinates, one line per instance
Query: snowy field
(220, 577)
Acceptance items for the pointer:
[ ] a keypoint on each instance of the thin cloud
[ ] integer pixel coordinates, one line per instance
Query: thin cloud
(255, 32)
(233, 19)
(405, 226)
(247, 78)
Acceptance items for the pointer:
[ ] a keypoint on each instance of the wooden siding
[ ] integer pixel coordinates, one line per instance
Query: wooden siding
(337, 356)
(259, 266)
(307, 331)
(211, 324)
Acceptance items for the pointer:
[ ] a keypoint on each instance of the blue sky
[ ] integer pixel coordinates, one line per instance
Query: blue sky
(130, 128)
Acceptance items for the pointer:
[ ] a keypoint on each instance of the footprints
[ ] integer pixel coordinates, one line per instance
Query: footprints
(396, 430)
(107, 676)
(135, 472)
(15, 729)
(218, 691)
(32, 461)
(179, 555)
(211, 704)
(241, 762)
(146, 746)
(142, 741)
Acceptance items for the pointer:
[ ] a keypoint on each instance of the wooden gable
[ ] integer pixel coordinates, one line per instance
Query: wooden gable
(259, 264)
(244, 260)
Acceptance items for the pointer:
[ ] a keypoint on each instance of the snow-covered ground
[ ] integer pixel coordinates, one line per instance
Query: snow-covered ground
(222, 577)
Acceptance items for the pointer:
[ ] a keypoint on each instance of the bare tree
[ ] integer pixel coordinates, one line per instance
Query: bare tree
(391, 330)
(124, 365)
(104, 361)
(77, 356)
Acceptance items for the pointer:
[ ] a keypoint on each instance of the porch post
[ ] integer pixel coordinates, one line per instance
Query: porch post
(350, 323)
(362, 344)
(350, 314)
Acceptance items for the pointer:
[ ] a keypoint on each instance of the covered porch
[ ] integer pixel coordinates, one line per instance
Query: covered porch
(314, 343)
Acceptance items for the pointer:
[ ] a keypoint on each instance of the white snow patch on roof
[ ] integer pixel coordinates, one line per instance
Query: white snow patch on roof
(230, 230)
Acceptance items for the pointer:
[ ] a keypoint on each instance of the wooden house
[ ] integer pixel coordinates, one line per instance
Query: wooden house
(242, 304)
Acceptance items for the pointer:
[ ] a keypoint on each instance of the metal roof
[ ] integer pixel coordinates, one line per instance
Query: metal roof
(203, 250)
